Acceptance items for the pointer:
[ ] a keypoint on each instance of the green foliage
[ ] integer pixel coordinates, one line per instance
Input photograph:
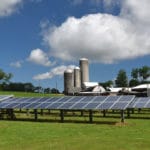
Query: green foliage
(106, 84)
(135, 73)
(139, 75)
(133, 82)
(4, 77)
(122, 80)
(144, 72)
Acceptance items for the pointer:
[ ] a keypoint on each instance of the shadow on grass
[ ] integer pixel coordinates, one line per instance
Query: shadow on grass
(59, 121)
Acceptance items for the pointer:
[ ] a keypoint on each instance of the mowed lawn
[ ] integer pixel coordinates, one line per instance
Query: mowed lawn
(28, 94)
(19, 135)
(107, 134)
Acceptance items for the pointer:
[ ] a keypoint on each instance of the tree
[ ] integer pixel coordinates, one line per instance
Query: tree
(55, 91)
(121, 80)
(2, 74)
(4, 77)
(133, 82)
(47, 90)
(106, 84)
(135, 73)
(144, 72)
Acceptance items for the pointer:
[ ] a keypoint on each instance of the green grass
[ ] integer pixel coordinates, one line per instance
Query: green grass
(28, 94)
(134, 135)
(75, 134)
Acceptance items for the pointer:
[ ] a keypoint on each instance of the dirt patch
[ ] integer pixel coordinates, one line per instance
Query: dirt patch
(122, 124)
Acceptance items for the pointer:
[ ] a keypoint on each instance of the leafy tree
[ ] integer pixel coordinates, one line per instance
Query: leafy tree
(47, 90)
(55, 91)
(2, 74)
(135, 73)
(106, 84)
(144, 72)
(121, 80)
(4, 78)
(28, 87)
(133, 82)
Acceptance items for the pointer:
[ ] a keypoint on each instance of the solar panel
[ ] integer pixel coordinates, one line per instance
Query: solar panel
(4, 97)
(70, 103)
(141, 102)
(123, 102)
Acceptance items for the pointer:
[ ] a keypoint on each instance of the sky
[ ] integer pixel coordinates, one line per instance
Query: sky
(39, 39)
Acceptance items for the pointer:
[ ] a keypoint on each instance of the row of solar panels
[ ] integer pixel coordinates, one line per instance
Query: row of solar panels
(76, 102)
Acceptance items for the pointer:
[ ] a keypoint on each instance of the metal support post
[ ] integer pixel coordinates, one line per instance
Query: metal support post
(90, 116)
(11, 114)
(82, 113)
(104, 113)
(27, 112)
(49, 111)
(62, 115)
(122, 116)
(35, 114)
(41, 111)
(128, 113)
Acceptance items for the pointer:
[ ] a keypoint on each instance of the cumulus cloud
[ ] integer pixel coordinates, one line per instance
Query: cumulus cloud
(7, 7)
(39, 57)
(17, 64)
(103, 37)
(54, 72)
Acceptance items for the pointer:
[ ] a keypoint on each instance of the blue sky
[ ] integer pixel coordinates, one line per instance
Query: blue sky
(39, 39)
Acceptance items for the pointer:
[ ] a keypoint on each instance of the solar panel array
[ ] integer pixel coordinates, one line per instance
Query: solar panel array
(3, 97)
(69, 103)
(141, 102)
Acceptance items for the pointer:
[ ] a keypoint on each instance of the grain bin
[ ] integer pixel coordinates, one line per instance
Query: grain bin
(77, 78)
(68, 81)
(84, 67)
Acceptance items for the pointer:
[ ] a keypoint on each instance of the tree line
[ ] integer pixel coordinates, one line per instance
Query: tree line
(138, 76)
(6, 85)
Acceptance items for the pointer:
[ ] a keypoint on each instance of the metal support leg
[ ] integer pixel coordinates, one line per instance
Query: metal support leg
(49, 111)
(81, 112)
(122, 116)
(35, 114)
(41, 111)
(128, 113)
(27, 112)
(104, 113)
(11, 114)
(62, 115)
(90, 116)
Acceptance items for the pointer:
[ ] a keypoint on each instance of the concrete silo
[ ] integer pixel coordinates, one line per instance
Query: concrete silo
(84, 67)
(68, 81)
(77, 78)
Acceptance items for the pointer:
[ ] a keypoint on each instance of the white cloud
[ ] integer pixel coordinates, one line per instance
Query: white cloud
(103, 37)
(39, 57)
(7, 7)
(17, 64)
(54, 72)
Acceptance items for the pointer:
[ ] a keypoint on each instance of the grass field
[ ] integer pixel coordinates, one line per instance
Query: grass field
(134, 135)
(28, 94)
(104, 134)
